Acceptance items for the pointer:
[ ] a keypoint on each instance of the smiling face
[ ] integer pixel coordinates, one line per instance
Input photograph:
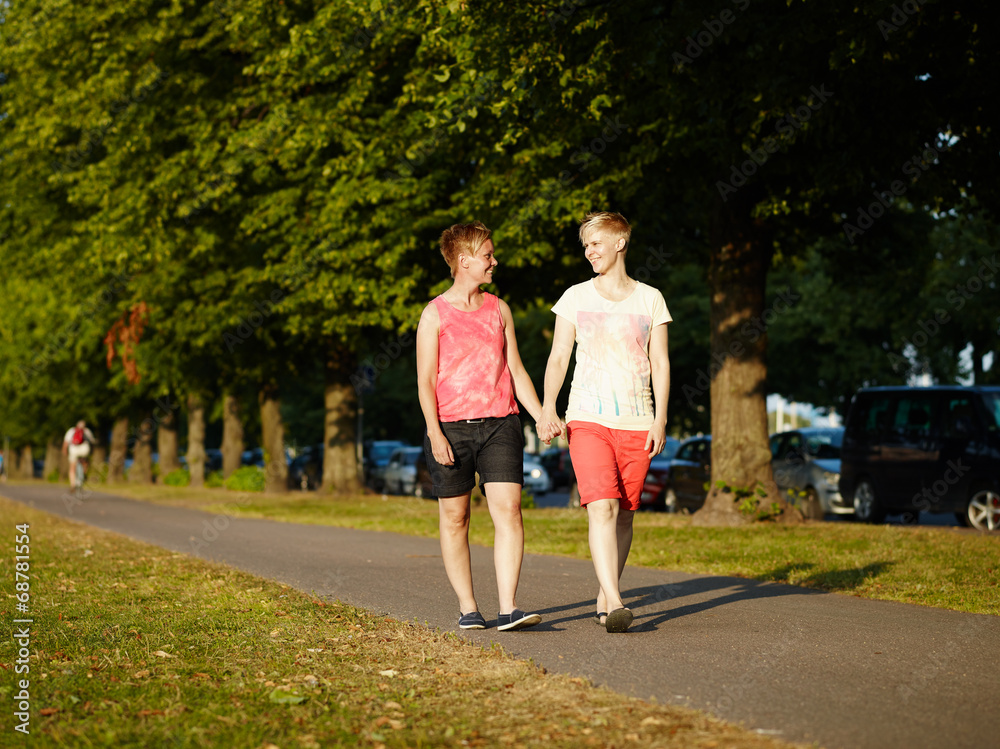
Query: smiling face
(602, 249)
(482, 263)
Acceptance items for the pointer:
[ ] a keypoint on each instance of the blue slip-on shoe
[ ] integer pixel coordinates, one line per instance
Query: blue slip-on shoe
(516, 619)
(471, 621)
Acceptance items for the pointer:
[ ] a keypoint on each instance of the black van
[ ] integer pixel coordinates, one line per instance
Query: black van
(931, 449)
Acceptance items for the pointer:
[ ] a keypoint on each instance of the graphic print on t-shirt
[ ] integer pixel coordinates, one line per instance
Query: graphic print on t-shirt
(612, 368)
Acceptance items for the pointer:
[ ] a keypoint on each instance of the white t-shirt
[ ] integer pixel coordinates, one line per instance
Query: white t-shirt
(82, 449)
(611, 380)
(88, 436)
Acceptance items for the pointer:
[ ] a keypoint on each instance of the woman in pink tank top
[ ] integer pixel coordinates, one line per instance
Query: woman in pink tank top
(468, 373)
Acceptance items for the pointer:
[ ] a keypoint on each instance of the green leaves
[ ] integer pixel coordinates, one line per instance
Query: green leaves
(283, 696)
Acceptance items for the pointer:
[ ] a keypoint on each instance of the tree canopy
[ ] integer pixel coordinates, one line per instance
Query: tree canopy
(263, 185)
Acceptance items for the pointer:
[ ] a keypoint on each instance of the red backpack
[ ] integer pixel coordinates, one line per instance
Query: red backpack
(78, 436)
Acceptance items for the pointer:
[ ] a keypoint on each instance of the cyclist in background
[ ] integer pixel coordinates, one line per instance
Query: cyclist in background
(77, 444)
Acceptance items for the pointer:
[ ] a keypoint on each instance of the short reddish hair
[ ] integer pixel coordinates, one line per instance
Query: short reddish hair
(463, 239)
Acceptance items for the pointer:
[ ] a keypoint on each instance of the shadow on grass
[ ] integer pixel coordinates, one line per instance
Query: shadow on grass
(844, 580)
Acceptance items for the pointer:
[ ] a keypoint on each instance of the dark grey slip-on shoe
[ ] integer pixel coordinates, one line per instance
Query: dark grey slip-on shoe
(619, 620)
(516, 619)
(471, 621)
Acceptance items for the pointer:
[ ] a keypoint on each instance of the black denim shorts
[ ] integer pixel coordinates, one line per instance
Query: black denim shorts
(491, 447)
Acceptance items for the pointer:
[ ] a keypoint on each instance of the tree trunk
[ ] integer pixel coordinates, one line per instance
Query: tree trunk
(141, 471)
(340, 457)
(232, 435)
(273, 440)
(166, 443)
(98, 464)
(742, 487)
(196, 440)
(26, 463)
(55, 462)
(119, 449)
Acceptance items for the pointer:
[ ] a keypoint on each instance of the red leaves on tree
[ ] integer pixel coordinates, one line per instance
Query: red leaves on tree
(127, 332)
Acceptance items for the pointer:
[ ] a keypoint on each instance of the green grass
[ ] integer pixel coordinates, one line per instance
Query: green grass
(136, 646)
(942, 567)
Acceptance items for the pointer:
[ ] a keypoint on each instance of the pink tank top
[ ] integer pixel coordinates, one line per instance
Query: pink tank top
(473, 381)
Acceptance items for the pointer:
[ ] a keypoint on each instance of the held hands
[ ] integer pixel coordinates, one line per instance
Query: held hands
(549, 426)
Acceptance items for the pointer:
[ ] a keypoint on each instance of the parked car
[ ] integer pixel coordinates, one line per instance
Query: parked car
(536, 478)
(254, 457)
(213, 460)
(678, 483)
(935, 449)
(305, 472)
(557, 462)
(425, 486)
(376, 458)
(806, 465)
(400, 474)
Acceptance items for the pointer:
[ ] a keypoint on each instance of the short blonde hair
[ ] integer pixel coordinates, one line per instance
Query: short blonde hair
(463, 239)
(612, 223)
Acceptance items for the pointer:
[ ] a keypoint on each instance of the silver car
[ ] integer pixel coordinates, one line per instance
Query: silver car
(400, 475)
(806, 465)
(536, 478)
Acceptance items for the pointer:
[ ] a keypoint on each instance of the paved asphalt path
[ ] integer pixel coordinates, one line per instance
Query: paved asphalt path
(797, 664)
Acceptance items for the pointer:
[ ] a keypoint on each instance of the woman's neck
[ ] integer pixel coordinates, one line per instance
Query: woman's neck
(464, 293)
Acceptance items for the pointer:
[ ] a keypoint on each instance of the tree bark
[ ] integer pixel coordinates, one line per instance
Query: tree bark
(141, 471)
(232, 435)
(741, 455)
(55, 462)
(26, 463)
(166, 442)
(98, 464)
(196, 440)
(119, 449)
(340, 456)
(273, 440)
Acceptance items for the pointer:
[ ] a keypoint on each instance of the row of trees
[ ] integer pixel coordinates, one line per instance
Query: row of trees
(216, 204)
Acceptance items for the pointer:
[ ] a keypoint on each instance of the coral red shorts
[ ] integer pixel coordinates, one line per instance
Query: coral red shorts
(609, 463)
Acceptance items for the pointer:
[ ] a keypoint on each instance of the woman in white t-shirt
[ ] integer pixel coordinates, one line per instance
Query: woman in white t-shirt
(622, 369)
